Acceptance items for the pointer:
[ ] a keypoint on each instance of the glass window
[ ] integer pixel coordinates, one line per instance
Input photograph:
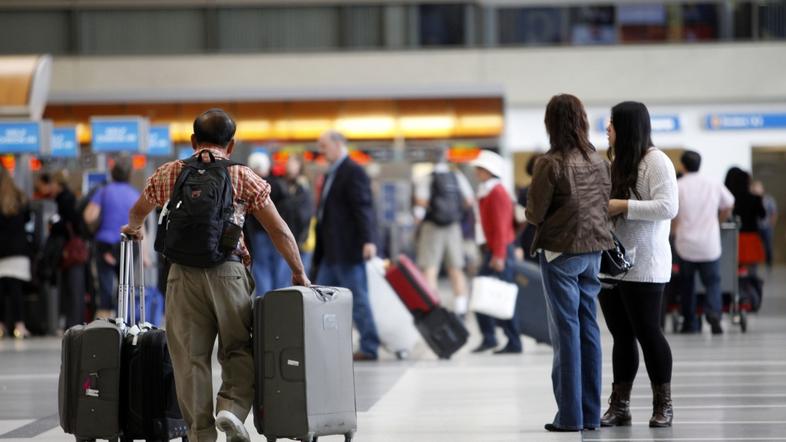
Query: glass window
(278, 29)
(592, 25)
(442, 25)
(179, 31)
(33, 32)
(530, 26)
(700, 22)
(743, 21)
(642, 23)
(361, 26)
(772, 20)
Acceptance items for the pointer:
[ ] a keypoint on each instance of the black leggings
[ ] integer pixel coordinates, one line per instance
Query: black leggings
(11, 304)
(632, 311)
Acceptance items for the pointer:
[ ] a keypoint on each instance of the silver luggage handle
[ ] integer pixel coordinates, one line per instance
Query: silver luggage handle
(130, 283)
(324, 293)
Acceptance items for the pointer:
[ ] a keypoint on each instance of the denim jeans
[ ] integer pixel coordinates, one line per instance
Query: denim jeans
(709, 273)
(571, 285)
(353, 277)
(488, 324)
(284, 275)
(265, 264)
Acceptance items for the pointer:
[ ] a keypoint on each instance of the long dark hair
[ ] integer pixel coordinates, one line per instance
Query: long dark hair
(631, 121)
(567, 125)
(738, 182)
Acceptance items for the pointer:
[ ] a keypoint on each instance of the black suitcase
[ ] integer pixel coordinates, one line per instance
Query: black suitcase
(531, 302)
(303, 369)
(89, 384)
(148, 398)
(442, 330)
(89, 393)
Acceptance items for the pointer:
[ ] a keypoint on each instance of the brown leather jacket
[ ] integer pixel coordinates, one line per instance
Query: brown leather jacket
(568, 202)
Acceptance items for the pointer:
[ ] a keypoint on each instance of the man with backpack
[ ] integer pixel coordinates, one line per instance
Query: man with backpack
(205, 200)
(441, 199)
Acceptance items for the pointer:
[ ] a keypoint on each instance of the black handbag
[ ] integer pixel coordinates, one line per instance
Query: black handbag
(614, 261)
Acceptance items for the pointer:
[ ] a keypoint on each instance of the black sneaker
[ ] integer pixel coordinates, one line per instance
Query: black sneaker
(483, 347)
(715, 325)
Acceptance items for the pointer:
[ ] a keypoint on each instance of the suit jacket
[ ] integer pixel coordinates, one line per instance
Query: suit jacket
(347, 221)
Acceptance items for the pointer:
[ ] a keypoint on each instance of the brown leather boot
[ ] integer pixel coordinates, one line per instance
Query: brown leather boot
(662, 411)
(618, 414)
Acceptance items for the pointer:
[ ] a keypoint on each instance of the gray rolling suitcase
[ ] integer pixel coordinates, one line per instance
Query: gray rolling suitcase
(89, 395)
(304, 377)
(531, 302)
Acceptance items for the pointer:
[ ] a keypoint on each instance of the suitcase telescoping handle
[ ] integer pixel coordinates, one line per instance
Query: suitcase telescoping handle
(131, 280)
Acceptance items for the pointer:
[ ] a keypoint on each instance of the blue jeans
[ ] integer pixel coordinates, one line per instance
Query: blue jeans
(353, 277)
(265, 264)
(709, 272)
(284, 275)
(488, 324)
(571, 285)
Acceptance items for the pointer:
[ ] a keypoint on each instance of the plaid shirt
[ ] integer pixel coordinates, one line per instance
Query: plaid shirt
(247, 186)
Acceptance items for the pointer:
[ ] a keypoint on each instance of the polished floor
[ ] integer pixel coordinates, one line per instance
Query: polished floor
(726, 388)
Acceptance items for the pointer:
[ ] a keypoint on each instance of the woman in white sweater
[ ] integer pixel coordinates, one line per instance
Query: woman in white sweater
(644, 200)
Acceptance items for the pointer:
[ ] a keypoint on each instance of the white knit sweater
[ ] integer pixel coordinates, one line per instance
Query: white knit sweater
(645, 230)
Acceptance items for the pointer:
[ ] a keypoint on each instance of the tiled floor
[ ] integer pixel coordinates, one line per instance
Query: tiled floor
(726, 388)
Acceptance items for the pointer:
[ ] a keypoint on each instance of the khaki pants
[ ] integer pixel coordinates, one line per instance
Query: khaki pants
(200, 304)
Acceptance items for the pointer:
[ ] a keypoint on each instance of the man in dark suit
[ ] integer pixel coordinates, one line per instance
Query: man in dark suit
(345, 235)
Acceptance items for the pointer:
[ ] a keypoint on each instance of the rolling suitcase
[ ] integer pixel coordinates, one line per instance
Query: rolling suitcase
(442, 330)
(305, 384)
(148, 406)
(89, 402)
(531, 302)
(395, 324)
(411, 286)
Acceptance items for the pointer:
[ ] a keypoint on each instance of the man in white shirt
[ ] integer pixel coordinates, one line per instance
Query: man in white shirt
(441, 200)
(703, 203)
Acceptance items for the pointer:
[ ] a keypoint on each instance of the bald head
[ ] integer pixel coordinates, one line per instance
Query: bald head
(214, 127)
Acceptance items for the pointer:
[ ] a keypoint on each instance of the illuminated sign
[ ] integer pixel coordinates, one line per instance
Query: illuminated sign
(119, 135)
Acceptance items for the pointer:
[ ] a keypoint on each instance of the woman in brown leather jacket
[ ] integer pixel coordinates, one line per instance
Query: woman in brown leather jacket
(568, 202)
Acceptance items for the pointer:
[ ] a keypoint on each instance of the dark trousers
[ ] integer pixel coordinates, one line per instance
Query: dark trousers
(488, 324)
(353, 276)
(72, 295)
(107, 294)
(709, 273)
(11, 303)
(632, 311)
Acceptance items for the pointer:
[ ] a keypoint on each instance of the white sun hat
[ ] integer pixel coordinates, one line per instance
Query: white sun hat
(490, 161)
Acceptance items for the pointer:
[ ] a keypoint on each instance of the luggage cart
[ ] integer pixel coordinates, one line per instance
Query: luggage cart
(733, 303)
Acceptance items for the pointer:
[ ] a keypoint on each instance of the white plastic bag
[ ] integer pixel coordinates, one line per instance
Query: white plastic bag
(494, 297)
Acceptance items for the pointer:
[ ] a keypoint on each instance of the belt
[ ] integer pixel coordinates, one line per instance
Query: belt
(234, 258)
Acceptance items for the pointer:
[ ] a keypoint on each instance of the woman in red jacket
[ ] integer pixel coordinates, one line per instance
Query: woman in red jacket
(496, 219)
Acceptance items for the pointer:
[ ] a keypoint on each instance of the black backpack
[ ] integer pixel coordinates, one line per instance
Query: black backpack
(447, 205)
(196, 228)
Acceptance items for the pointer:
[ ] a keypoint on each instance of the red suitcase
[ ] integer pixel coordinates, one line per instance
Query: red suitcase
(411, 286)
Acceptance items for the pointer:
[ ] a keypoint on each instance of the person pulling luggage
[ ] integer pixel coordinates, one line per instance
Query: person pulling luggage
(209, 288)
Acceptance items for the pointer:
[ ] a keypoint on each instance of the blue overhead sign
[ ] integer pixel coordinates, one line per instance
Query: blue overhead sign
(665, 123)
(160, 142)
(746, 121)
(64, 143)
(119, 134)
(659, 123)
(24, 136)
(185, 153)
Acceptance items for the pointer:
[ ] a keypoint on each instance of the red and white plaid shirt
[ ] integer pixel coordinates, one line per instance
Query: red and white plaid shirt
(248, 187)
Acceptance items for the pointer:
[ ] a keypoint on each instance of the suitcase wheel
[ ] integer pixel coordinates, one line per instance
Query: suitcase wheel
(349, 436)
(271, 439)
